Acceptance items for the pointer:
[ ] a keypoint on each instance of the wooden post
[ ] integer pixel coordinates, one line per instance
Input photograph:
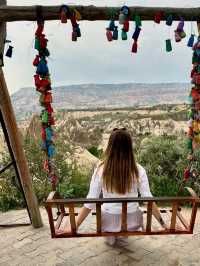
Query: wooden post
(15, 139)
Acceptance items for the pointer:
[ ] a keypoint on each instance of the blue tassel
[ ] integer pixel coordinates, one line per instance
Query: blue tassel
(42, 68)
(49, 134)
(78, 31)
(51, 151)
(112, 25)
(169, 20)
(9, 51)
(115, 33)
(44, 146)
(136, 33)
(191, 41)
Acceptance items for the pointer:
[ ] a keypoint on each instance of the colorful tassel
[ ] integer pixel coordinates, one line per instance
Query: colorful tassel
(158, 17)
(168, 45)
(124, 35)
(9, 51)
(111, 25)
(138, 22)
(191, 41)
(126, 25)
(115, 33)
(169, 20)
(42, 68)
(134, 47)
(109, 35)
(136, 33)
(177, 36)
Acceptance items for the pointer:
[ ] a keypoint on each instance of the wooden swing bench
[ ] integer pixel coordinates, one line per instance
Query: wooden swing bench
(66, 208)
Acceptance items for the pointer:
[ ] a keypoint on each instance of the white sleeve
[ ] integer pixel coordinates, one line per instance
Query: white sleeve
(144, 188)
(95, 188)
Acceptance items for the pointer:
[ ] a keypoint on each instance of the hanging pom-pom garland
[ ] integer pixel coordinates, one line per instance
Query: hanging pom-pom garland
(43, 85)
(73, 15)
(124, 18)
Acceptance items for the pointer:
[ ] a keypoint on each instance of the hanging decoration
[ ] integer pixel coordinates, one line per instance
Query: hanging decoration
(43, 86)
(124, 17)
(158, 17)
(169, 20)
(179, 32)
(135, 38)
(112, 30)
(73, 15)
(168, 45)
(192, 37)
(193, 134)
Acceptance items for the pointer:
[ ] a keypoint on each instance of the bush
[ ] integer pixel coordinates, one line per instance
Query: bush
(165, 158)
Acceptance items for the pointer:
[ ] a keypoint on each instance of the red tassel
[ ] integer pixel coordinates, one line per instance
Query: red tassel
(39, 30)
(49, 108)
(126, 25)
(37, 80)
(43, 134)
(158, 17)
(43, 42)
(63, 17)
(48, 98)
(36, 60)
(134, 47)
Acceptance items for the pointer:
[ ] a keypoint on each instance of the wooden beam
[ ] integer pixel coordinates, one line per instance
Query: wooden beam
(28, 13)
(15, 139)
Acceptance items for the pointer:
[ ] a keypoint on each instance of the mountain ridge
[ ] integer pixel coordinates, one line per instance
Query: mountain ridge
(92, 96)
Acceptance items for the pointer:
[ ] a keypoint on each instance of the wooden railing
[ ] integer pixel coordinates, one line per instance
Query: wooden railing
(66, 208)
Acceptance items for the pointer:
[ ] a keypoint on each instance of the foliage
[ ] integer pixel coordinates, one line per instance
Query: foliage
(165, 158)
(95, 151)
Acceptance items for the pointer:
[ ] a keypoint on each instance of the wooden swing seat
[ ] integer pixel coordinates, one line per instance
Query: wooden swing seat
(66, 209)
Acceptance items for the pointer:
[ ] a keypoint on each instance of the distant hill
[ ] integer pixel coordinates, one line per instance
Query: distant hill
(93, 96)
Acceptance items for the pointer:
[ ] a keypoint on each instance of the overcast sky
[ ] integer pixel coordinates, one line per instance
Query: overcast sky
(93, 59)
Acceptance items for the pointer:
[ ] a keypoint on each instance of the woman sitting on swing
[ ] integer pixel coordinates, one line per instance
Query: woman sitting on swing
(118, 176)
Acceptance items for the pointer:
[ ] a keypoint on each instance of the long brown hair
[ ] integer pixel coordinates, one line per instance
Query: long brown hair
(119, 165)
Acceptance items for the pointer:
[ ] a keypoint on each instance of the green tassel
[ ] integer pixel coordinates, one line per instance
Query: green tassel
(189, 144)
(198, 69)
(168, 45)
(37, 44)
(190, 114)
(138, 22)
(124, 35)
(194, 59)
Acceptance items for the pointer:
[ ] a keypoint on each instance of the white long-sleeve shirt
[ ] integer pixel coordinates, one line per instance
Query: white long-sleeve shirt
(96, 186)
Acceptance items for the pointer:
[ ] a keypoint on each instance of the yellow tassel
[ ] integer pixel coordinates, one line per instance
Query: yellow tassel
(78, 15)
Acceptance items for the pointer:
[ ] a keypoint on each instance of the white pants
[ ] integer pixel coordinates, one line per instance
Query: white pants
(112, 223)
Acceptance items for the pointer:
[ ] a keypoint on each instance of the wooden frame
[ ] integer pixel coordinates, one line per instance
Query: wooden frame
(29, 13)
(19, 13)
(55, 201)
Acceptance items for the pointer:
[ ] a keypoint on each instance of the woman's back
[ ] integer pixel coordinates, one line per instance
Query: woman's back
(96, 187)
